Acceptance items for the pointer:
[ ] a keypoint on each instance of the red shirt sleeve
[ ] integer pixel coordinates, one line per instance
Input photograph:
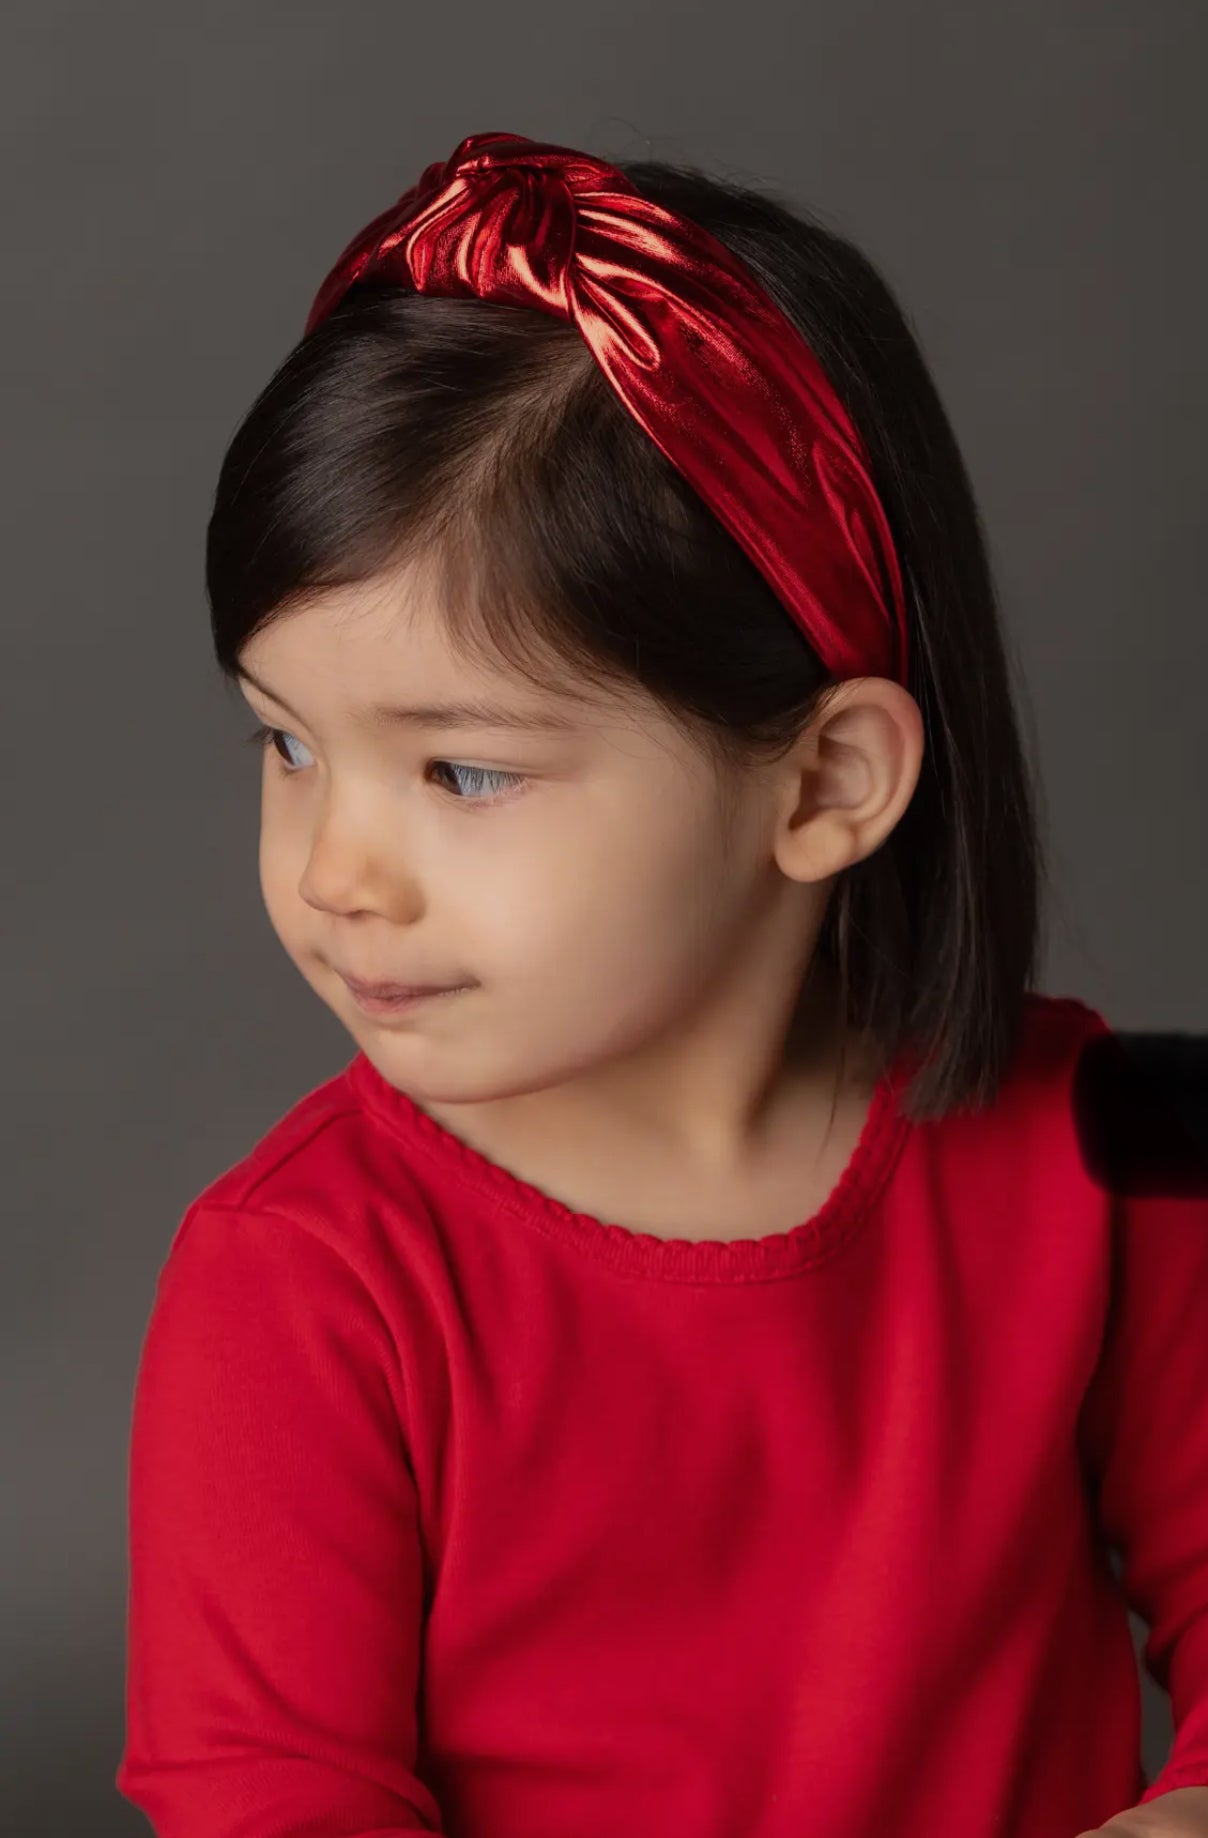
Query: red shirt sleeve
(1145, 1435)
(276, 1573)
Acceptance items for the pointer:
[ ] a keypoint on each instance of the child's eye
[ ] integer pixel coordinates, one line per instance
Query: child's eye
(265, 736)
(479, 774)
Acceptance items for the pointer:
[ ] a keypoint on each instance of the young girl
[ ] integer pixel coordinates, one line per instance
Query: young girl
(680, 1379)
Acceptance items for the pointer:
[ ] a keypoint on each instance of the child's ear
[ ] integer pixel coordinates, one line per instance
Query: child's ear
(849, 779)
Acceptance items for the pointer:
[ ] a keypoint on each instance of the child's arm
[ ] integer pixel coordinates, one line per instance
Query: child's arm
(1144, 1433)
(1181, 1814)
(275, 1560)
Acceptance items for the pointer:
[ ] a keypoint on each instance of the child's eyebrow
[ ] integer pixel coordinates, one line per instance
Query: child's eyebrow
(473, 713)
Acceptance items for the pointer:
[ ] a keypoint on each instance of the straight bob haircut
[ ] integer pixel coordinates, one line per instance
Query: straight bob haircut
(483, 440)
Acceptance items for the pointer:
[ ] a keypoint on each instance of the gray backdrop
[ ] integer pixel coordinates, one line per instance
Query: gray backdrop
(178, 180)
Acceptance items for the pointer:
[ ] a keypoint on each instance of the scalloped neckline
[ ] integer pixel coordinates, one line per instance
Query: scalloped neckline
(645, 1254)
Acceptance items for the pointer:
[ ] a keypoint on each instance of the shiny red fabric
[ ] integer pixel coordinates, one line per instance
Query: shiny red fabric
(692, 345)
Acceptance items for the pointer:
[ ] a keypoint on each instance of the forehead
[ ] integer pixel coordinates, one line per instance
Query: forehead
(379, 651)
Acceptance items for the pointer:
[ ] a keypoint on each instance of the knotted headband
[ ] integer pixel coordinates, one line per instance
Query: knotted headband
(692, 345)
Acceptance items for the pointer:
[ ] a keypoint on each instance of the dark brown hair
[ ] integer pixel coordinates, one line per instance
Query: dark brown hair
(484, 441)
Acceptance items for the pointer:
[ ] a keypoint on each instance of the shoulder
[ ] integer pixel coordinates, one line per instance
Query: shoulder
(312, 1137)
(1034, 1130)
(320, 1185)
(1054, 1033)
(1061, 1047)
(1033, 1110)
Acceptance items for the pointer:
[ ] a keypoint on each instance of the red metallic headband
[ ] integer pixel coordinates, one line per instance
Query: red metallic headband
(698, 353)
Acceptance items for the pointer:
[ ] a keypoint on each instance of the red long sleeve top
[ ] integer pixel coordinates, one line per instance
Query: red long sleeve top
(453, 1509)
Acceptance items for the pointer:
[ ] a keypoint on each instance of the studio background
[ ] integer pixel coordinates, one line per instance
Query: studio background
(177, 182)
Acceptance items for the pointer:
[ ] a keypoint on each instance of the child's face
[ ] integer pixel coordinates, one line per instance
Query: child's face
(609, 921)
